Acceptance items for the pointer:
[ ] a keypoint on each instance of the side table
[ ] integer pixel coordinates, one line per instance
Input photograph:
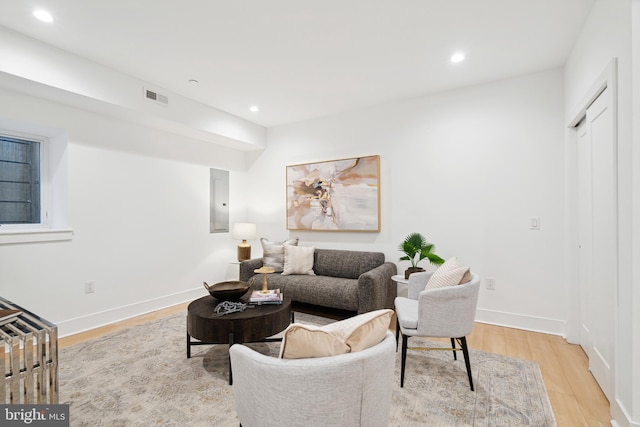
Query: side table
(233, 271)
(402, 283)
(29, 357)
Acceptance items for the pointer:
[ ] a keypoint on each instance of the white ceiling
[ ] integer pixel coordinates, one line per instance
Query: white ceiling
(300, 59)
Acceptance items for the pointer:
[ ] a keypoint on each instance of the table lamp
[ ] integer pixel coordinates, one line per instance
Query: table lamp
(244, 231)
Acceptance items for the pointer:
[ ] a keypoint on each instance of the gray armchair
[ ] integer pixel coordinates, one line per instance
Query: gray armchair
(447, 312)
(352, 389)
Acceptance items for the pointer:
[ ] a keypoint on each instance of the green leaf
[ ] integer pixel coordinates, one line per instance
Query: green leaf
(435, 259)
(416, 248)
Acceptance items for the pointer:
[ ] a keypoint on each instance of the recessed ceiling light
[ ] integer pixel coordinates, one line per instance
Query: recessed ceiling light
(43, 15)
(254, 108)
(457, 57)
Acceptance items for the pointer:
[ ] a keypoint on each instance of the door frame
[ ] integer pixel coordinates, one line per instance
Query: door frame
(606, 79)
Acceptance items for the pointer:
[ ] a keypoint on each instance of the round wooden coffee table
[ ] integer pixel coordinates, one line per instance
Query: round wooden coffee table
(254, 324)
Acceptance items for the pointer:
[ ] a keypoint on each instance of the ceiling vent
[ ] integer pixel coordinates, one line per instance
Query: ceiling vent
(156, 97)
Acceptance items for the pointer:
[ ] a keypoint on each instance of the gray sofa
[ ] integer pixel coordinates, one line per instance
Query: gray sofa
(347, 280)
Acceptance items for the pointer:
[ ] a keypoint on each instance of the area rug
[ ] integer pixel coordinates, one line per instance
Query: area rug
(141, 377)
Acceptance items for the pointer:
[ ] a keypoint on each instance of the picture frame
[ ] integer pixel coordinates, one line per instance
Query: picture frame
(334, 195)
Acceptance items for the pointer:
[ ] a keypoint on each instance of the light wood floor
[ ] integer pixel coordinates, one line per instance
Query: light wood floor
(575, 396)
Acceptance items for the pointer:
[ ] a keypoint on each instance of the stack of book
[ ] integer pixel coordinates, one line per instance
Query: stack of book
(272, 296)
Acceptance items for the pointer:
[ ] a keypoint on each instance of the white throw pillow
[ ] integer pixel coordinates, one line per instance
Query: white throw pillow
(273, 253)
(298, 260)
(448, 274)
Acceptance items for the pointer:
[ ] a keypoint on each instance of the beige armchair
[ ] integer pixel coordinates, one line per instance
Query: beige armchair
(447, 312)
(352, 389)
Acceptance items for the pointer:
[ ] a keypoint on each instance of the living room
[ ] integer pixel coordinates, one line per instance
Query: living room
(467, 166)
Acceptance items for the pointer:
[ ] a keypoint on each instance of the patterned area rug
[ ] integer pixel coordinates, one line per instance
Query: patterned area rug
(141, 377)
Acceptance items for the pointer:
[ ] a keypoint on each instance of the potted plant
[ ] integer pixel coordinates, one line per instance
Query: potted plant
(416, 248)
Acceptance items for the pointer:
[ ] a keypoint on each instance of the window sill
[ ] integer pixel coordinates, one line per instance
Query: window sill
(10, 237)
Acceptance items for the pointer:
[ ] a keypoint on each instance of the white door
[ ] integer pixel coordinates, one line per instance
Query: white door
(585, 226)
(597, 228)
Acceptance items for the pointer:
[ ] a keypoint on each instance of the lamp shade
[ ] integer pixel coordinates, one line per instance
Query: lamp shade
(244, 231)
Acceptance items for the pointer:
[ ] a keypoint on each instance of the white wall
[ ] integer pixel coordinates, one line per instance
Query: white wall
(607, 34)
(139, 208)
(467, 168)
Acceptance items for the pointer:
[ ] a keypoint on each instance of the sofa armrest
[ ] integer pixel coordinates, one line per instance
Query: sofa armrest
(247, 267)
(376, 290)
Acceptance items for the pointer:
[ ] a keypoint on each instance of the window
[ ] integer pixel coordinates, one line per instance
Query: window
(20, 179)
(34, 189)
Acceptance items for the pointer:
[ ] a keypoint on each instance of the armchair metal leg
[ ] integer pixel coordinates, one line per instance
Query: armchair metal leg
(465, 352)
(404, 359)
(397, 331)
(463, 346)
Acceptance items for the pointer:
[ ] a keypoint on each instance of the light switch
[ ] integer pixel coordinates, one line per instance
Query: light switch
(535, 223)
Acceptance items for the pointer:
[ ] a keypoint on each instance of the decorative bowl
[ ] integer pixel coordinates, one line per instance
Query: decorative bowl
(227, 290)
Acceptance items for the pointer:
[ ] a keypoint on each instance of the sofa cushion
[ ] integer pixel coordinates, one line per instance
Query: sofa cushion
(346, 264)
(325, 291)
(273, 253)
(298, 260)
(448, 274)
(349, 335)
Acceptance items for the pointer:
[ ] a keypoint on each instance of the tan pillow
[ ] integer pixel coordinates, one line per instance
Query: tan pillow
(448, 274)
(346, 336)
(466, 278)
(303, 341)
(273, 253)
(298, 260)
(362, 331)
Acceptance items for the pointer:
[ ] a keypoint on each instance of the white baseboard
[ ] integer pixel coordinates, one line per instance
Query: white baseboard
(521, 321)
(620, 417)
(96, 320)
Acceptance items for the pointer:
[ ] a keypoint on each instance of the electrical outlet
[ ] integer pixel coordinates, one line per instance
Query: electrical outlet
(534, 223)
(491, 283)
(89, 287)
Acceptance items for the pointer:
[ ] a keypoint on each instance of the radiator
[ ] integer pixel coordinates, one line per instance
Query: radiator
(29, 362)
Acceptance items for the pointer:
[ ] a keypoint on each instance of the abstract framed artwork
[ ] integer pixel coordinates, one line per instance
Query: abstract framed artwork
(334, 195)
